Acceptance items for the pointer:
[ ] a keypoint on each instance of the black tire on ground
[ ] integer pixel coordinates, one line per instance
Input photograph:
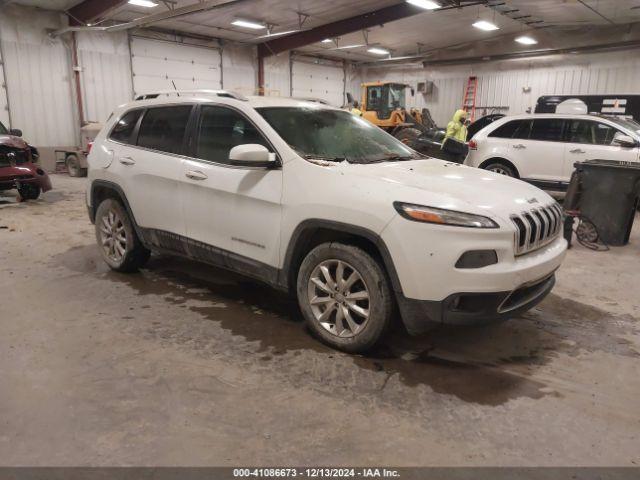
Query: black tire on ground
(113, 225)
(408, 135)
(502, 168)
(73, 166)
(379, 305)
(29, 191)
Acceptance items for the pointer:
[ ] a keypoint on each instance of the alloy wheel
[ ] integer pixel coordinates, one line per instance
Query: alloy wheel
(500, 170)
(339, 298)
(113, 236)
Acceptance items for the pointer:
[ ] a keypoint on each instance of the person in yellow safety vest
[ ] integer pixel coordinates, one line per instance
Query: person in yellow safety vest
(355, 110)
(456, 128)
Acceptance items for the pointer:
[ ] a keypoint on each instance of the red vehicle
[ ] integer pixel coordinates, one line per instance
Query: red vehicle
(18, 168)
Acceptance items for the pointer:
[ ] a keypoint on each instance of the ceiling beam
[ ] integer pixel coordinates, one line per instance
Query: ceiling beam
(350, 25)
(89, 11)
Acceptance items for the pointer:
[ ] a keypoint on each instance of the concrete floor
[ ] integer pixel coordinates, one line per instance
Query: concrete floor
(185, 365)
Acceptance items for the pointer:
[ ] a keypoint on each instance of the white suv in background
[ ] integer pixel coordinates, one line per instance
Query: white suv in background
(542, 148)
(320, 203)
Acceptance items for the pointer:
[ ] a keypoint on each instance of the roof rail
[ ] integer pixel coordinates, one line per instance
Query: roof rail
(217, 93)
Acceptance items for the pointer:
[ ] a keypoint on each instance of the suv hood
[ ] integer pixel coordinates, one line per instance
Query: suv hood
(437, 183)
(13, 142)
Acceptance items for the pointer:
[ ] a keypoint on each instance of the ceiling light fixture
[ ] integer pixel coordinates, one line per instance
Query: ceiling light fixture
(525, 40)
(378, 51)
(326, 40)
(486, 26)
(426, 4)
(351, 46)
(248, 24)
(143, 3)
(277, 34)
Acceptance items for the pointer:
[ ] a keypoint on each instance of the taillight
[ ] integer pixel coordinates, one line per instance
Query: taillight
(473, 145)
(89, 145)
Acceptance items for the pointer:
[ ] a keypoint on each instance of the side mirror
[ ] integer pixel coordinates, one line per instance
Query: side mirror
(252, 155)
(16, 132)
(625, 141)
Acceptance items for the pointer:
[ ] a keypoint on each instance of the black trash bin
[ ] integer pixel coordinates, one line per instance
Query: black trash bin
(605, 193)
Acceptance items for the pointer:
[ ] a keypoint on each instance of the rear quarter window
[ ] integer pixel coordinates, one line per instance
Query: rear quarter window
(123, 129)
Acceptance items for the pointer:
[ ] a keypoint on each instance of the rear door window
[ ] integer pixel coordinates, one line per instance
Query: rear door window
(523, 130)
(547, 129)
(220, 129)
(507, 130)
(123, 129)
(163, 128)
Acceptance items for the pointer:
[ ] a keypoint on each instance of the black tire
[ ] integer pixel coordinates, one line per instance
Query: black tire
(73, 166)
(408, 135)
(29, 191)
(132, 254)
(379, 305)
(503, 168)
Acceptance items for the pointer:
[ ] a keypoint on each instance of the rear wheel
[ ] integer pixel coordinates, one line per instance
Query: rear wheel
(500, 167)
(345, 297)
(73, 166)
(29, 191)
(119, 245)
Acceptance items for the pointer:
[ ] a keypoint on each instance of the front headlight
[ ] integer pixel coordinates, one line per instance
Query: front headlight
(421, 213)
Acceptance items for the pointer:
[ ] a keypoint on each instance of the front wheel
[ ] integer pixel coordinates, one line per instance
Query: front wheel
(501, 168)
(29, 191)
(119, 245)
(345, 297)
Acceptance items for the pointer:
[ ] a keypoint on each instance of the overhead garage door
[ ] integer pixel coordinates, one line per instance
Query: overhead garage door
(155, 64)
(312, 78)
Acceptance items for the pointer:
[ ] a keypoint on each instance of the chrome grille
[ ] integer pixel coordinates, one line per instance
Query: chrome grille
(537, 227)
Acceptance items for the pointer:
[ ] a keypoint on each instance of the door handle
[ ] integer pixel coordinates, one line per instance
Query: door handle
(519, 146)
(577, 150)
(127, 161)
(196, 175)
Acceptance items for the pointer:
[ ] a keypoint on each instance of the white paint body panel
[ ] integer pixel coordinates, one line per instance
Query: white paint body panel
(263, 207)
(541, 160)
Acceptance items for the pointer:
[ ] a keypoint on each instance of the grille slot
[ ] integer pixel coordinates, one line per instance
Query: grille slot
(536, 228)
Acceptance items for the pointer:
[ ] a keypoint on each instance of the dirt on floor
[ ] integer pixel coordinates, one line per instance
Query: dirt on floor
(183, 364)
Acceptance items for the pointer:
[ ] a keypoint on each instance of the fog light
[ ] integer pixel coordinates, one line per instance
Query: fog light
(477, 259)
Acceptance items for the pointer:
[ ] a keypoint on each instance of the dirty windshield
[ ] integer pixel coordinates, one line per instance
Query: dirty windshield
(335, 135)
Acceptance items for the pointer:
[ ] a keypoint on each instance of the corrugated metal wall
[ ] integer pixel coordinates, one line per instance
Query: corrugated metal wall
(38, 71)
(517, 85)
(4, 103)
(106, 72)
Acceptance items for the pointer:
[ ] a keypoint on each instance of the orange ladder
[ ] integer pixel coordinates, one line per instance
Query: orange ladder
(469, 100)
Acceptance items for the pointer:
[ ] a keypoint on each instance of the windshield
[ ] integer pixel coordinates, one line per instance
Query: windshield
(628, 124)
(334, 135)
(3, 130)
(396, 96)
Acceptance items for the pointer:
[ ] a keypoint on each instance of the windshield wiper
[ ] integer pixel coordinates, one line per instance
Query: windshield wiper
(311, 156)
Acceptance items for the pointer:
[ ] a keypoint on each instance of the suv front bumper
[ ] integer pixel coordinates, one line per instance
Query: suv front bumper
(472, 308)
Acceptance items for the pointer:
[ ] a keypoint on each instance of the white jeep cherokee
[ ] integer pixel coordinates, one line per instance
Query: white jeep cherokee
(320, 203)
